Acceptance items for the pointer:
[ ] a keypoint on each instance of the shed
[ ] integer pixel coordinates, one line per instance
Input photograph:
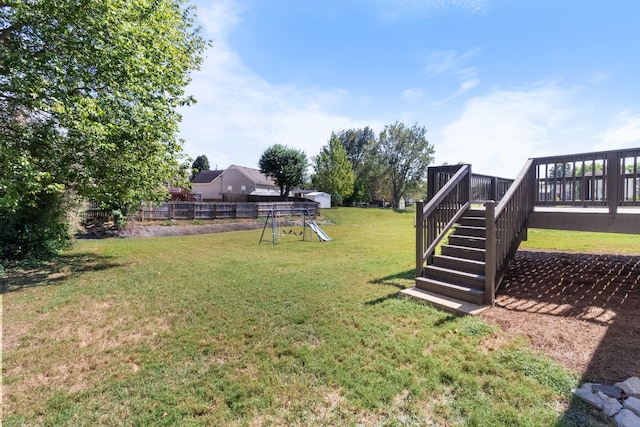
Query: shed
(324, 199)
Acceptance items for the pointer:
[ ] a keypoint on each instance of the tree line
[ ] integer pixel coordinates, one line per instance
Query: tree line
(357, 166)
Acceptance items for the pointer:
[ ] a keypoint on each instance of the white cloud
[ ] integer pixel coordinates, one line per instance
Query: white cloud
(397, 9)
(624, 133)
(413, 94)
(446, 60)
(239, 114)
(468, 85)
(218, 18)
(496, 133)
(598, 77)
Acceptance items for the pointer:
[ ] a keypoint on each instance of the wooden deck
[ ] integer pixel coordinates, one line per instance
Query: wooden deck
(597, 191)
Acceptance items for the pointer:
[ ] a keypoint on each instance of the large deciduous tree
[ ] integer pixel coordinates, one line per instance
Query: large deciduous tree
(286, 166)
(333, 171)
(359, 145)
(88, 98)
(405, 154)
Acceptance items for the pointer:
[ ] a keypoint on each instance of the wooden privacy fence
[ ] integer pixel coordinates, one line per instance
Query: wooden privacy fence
(219, 210)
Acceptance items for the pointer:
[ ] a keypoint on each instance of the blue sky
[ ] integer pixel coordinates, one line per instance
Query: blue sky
(494, 81)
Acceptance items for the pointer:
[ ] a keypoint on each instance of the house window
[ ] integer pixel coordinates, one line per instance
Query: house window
(251, 188)
(243, 189)
(229, 188)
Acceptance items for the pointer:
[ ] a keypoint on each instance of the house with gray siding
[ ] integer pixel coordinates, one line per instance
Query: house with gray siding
(212, 185)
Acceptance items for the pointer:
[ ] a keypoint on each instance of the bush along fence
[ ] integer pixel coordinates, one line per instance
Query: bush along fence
(208, 210)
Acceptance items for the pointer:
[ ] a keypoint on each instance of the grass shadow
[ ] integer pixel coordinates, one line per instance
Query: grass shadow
(55, 271)
(580, 413)
(382, 299)
(448, 318)
(395, 279)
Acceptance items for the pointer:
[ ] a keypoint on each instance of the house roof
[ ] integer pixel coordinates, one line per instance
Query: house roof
(205, 177)
(254, 175)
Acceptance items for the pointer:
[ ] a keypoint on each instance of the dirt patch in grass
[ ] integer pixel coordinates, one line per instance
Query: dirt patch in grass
(99, 335)
(165, 228)
(581, 309)
(138, 230)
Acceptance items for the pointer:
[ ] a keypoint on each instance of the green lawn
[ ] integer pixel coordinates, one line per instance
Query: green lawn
(218, 330)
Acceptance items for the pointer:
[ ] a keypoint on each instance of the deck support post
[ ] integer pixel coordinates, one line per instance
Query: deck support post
(614, 175)
(490, 253)
(419, 238)
(494, 189)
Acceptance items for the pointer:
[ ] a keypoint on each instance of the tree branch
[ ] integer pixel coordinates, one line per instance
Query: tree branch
(5, 33)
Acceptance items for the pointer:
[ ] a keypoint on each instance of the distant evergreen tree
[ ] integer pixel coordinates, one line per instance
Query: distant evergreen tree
(201, 163)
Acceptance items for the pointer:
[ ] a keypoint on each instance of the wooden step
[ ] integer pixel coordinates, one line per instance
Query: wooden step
(459, 264)
(452, 305)
(465, 230)
(475, 212)
(467, 241)
(461, 278)
(463, 252)
(473, 221)
(448, 289)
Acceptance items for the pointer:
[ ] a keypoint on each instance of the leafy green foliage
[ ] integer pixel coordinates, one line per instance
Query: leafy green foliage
(359, 145)
(34, 232)
(391, 166)
(405, 153)
(333, 171)
(585, 169)
(88, 98)
(201, 163)
(286, 166)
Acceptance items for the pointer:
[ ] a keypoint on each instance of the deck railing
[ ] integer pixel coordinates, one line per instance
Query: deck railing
(449, 189)
(485, 187)
(450, 192)
(482, 187)
(506, 227)
(600, 179)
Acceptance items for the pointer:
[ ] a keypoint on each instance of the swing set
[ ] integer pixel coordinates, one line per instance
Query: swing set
(282, 224)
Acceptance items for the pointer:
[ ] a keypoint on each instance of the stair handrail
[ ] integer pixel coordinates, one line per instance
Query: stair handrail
(439, 209)
(506, 227)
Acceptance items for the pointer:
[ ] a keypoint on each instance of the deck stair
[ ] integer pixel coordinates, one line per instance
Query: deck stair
(479, 244)
(458, 271)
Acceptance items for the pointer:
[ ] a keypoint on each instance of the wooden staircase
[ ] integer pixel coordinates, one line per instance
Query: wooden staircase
(463, 275)
(458, 272)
